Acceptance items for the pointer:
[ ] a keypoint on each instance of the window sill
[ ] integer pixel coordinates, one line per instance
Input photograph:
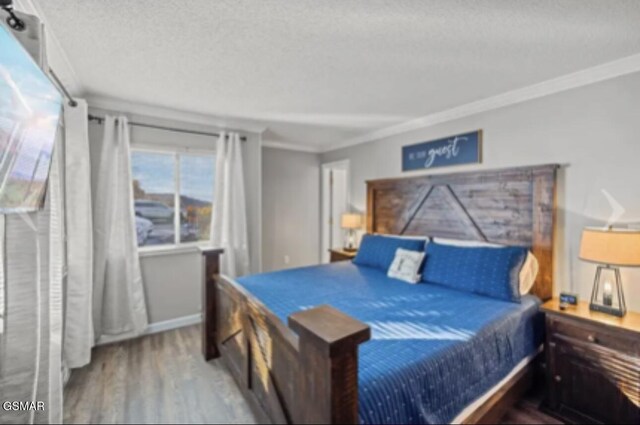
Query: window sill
(169, 250)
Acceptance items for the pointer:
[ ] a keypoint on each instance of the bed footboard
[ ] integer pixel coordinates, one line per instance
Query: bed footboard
(302, 372)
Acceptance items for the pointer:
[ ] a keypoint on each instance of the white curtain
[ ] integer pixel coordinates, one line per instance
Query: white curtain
(32, 268)
(57, 262)
(229, 218)
(31, 346)
(78, 327)
(118, 295)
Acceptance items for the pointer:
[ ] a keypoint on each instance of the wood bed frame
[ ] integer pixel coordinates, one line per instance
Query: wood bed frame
(306, 371)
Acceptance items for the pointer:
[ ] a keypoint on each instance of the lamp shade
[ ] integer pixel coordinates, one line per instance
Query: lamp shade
(351, 221)
(614, 247)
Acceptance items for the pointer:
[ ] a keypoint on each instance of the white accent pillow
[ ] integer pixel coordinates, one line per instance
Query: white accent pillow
(426, 239)
(459, 242)
(528, 272)
(406, 264)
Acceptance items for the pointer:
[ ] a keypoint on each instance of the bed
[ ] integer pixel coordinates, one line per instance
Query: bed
(343, 343)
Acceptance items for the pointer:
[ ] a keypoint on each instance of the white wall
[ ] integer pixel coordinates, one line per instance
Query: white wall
(593, 131)
(173, 279)
(291, 208)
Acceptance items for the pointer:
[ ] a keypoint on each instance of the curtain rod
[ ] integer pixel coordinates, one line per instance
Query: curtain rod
(100, 120)
(72, 101)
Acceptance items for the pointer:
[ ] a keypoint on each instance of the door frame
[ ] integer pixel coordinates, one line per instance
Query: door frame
(325, 210)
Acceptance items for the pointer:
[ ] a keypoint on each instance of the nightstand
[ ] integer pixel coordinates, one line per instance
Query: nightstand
(341, 255)
(593, 365)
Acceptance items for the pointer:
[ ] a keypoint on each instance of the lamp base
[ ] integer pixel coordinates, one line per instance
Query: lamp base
(350, 245)
(608, 310)
(608, 307)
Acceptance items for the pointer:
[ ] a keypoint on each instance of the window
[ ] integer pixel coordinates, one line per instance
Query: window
(196, 195)
(173, 197)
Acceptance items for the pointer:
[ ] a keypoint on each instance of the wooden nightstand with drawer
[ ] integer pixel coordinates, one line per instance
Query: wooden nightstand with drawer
(341, 255)
(593, 365)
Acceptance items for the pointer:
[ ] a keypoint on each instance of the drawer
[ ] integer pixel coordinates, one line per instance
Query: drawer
(589, 383)
(598, 336)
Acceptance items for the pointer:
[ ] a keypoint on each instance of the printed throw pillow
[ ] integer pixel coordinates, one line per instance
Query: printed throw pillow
(492, 272)
(528, 273)
(406, 265)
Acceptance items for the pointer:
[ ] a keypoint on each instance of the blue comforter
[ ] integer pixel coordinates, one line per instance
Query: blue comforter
(433, 350)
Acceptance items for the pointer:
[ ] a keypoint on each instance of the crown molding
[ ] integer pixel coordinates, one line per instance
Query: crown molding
(56, 55)
(585, 77)
(119, 105)
(124, 106)
(290, 146)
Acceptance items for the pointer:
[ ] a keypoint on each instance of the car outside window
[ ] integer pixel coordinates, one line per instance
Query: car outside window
(173, 197)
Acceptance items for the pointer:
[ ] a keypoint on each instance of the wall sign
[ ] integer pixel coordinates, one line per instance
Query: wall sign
(455, 150)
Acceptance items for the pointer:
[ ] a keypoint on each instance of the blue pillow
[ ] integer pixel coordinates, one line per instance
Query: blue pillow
(379, 251)
(488, 271)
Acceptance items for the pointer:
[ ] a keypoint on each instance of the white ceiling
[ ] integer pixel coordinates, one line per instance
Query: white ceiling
(317, 73)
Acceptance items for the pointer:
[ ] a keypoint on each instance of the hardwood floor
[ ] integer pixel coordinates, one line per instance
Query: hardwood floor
(163, 378)
(526, 412)
(160, 378)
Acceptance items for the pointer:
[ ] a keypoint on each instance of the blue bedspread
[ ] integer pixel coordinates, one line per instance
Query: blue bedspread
(433, 350)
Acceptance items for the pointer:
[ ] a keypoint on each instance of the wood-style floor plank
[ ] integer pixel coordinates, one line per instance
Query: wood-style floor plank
(159, 378)
(526, 412)
(162, 378)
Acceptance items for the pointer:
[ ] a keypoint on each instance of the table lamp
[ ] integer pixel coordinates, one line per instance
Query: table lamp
(351, 222)
(610, 249)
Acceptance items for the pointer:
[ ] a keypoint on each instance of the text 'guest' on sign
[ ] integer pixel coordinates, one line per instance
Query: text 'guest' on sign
(454, 150)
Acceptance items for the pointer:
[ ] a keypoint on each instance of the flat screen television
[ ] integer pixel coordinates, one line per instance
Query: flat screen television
(30, 108)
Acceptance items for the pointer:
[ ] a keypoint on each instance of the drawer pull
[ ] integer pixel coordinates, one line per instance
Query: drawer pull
(592, 338)
(557, 378)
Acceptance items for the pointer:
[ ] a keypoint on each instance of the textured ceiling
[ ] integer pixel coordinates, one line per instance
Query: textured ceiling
(319, 72)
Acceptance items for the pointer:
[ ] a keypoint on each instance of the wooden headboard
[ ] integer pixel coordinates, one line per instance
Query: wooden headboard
(513, 206)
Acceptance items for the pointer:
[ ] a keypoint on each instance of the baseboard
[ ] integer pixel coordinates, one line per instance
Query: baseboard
(154, 328)
(178, 322)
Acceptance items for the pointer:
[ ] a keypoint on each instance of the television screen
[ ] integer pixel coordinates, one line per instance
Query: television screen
(30, 108)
